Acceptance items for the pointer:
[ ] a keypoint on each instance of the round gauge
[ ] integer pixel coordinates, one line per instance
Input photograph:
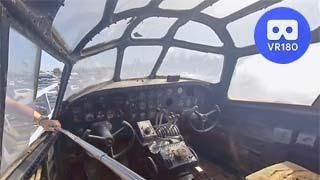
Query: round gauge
(118, 100)
(133, 107)
(142, 106)
(180, 90)
(89, 117)
(169, 91)
(133, 115)
(101, 116)
(110, 114)
(119, 113)
(152, 104)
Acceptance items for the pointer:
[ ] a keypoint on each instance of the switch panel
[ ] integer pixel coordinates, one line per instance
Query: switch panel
(146, 131)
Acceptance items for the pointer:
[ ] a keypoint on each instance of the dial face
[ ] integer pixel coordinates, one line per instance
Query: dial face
(89, 117)
(133, 115)
(101, 116)
(110, 114)
(132, 97)
(76, 110)
(152, 104)
(180, 90)
(169, 91)
(118, 100)
(142, 106)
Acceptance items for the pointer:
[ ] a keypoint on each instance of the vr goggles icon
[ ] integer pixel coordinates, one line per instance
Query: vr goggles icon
(278, 28)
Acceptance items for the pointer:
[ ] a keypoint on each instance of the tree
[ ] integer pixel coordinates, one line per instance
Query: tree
(57, 72)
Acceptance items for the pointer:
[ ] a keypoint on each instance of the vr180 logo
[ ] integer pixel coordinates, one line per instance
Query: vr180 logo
(278, 28)
(282, 35)
(287, 29)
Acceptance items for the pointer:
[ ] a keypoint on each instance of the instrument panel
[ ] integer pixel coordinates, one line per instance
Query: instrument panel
(135, 103)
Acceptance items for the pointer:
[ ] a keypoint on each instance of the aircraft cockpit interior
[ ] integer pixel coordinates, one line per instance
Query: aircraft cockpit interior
(160, 89)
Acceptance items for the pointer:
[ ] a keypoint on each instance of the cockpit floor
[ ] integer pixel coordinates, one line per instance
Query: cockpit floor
(215, 171)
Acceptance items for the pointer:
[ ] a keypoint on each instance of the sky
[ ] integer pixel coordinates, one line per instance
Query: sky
(48, 63)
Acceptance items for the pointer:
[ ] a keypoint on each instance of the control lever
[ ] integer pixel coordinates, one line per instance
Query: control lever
(173, 118)
(160, 115)
(100, 132)
(187, 113)
(157, 116)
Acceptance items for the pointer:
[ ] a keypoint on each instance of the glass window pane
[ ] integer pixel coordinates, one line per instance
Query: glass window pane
(48, 81)
(179, 4)
(19, 124)
(257, 79)
(124, 5)
(76, 18)
(198, 33)
(224, 8)
(192, 64)
(92, 70)
(138, 61)
(245, 36)
(113, 32)
(153, 27)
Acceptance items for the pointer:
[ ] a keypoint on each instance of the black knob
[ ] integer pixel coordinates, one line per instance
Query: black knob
(147, 131)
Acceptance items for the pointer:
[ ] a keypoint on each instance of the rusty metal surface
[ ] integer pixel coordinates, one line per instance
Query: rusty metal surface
(4, 39)
(37, 27)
